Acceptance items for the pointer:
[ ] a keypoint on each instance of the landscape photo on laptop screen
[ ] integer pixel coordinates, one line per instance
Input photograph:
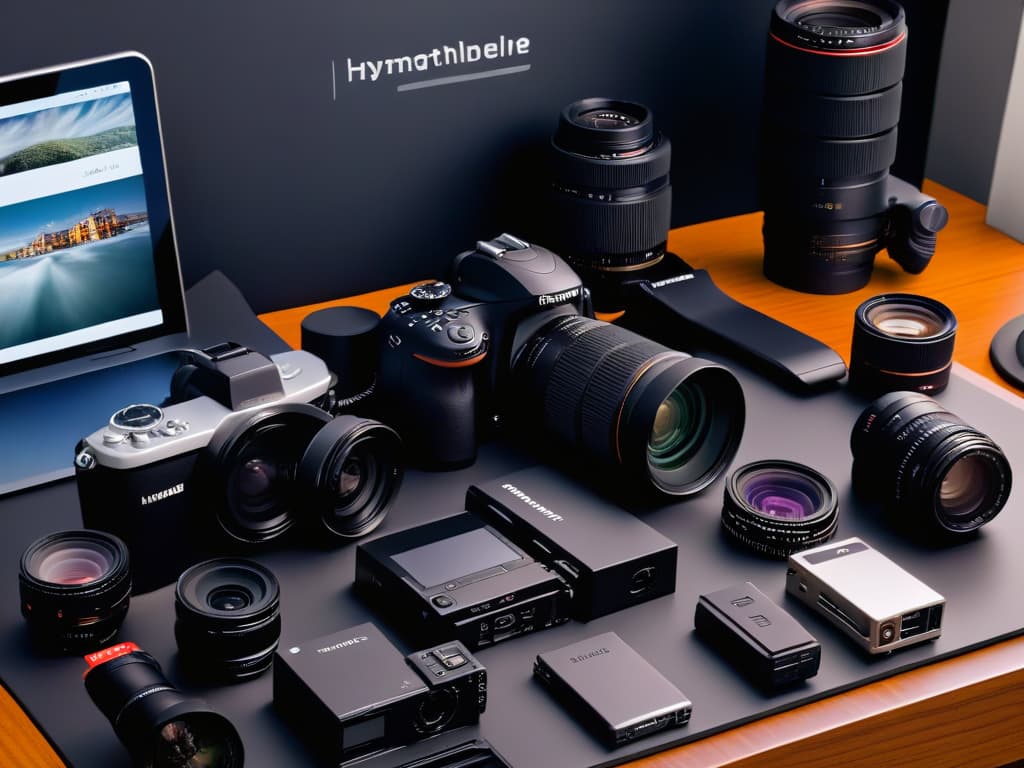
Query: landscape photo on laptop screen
(76, 254)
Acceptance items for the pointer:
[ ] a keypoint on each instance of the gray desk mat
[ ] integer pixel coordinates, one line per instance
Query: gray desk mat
(980, 578)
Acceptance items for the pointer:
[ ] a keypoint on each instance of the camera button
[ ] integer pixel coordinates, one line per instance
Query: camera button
(442, 601)
(114, 438)
(461, 334)
(451, 585)
(454, 662)
(140, 439)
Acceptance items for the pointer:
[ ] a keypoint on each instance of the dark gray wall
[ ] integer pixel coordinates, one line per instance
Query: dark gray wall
(970, 96)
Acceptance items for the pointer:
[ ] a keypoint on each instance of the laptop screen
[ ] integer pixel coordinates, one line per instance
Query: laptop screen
(87, 258)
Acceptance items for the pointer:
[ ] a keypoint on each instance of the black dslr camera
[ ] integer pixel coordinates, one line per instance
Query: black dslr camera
(508, 338)
(245, 455)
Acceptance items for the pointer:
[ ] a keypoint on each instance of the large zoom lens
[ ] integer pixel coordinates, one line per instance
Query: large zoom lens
(228, 618)
(349, 476)
(611, 201)
(666, 419)
(928, 466)
(159, 726)
(833, 85)
(75, 587)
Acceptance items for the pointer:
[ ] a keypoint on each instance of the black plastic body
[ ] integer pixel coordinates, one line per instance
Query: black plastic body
(612, 689)
(611, 559)
(759, 638)
(429, 354)
(352, 694)
(476, 607)
(234, 376)
(471, 754)
(346, 339)
(681, 304)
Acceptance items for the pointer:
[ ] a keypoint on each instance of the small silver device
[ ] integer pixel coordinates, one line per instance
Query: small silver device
(873, 600)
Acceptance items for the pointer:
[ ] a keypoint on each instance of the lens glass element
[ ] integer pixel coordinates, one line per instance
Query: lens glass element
(680, 427)
(965, 486)
(911, 321)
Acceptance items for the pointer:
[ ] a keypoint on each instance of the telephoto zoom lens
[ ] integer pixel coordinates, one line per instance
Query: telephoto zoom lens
(75, 587)
(833, 85)
(228, 618)
(610, 205)
(159, 726)
(778, 507)
(662, 418)
(349, 477)
(902, 342)
(933, 472)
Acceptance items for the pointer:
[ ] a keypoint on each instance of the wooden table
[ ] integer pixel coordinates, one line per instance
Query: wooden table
(967, 711)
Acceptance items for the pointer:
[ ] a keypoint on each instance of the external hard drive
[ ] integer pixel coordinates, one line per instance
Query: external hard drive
(612, 689)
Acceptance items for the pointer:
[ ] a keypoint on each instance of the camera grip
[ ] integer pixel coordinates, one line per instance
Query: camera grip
(433, 408)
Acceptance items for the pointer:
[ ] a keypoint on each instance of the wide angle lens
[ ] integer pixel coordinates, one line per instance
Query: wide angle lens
(228, 618)
(349, 476)
(159, 726)
(779, 507)
(249, 469)
(75, 588)
(929, 468)
(664, 419)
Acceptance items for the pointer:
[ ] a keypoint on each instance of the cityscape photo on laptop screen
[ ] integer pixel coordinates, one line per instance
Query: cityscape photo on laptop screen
(76, 252)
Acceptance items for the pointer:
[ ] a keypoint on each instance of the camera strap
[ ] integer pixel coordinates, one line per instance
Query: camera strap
(690, 296)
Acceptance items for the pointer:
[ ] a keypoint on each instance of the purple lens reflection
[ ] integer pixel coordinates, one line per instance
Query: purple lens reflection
(783, 495)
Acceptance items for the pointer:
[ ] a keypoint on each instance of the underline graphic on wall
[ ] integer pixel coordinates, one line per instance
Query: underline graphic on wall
(438, 81)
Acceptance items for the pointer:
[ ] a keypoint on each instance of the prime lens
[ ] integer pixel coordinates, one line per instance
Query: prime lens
(665, 419)
(228, 618)
(931, 469)
(902, 342)
(75, 587)
(158, 725)
(833, 86)
(249, 469)
(349, 476)
(778, 507)
(610, 205)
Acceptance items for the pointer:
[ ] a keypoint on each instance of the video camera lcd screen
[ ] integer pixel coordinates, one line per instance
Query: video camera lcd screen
(449, 559)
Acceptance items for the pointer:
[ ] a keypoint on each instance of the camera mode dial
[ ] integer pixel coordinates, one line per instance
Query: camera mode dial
(429, 294)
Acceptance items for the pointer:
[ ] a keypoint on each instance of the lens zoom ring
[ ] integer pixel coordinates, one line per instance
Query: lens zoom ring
(835, 158)
(610, 228)
(833, 74)
(834, 117)
(574, 170)
(588, 381)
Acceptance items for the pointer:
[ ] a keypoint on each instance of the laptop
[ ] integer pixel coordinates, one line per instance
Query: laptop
(92, 306)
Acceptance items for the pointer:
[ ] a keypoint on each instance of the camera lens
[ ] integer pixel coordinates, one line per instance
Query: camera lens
(927, 465)
(779, 507)
(436, 710)
(75, 587)
(349, 476)
(833, 86)
(611, 200)
(249, 468)
(666, 419)
(228, 618)
(158, 725)
(902, 342)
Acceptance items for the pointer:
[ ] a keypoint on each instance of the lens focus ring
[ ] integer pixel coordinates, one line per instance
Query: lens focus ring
(833, 73)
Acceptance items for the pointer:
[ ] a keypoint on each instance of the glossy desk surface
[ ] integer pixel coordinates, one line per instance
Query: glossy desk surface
(967, 711)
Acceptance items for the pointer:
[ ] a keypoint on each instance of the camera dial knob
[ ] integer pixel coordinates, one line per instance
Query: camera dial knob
(429, 294)
(140, 417)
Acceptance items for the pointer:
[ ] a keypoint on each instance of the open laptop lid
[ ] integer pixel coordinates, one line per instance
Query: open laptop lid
(89, 273)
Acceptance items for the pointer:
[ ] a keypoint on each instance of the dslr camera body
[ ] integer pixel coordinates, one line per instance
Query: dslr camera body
(509, 337)
(156, 477)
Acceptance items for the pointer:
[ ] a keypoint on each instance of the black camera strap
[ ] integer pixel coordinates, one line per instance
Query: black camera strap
(692, 297)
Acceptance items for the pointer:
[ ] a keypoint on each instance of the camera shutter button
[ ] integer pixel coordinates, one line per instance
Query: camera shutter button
(461, 334)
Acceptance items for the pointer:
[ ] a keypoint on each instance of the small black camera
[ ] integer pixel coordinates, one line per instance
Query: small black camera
(244, 457)
(509, 338)
(353, 694)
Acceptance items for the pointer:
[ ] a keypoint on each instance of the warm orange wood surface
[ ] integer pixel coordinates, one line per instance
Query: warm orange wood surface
(968, 711)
